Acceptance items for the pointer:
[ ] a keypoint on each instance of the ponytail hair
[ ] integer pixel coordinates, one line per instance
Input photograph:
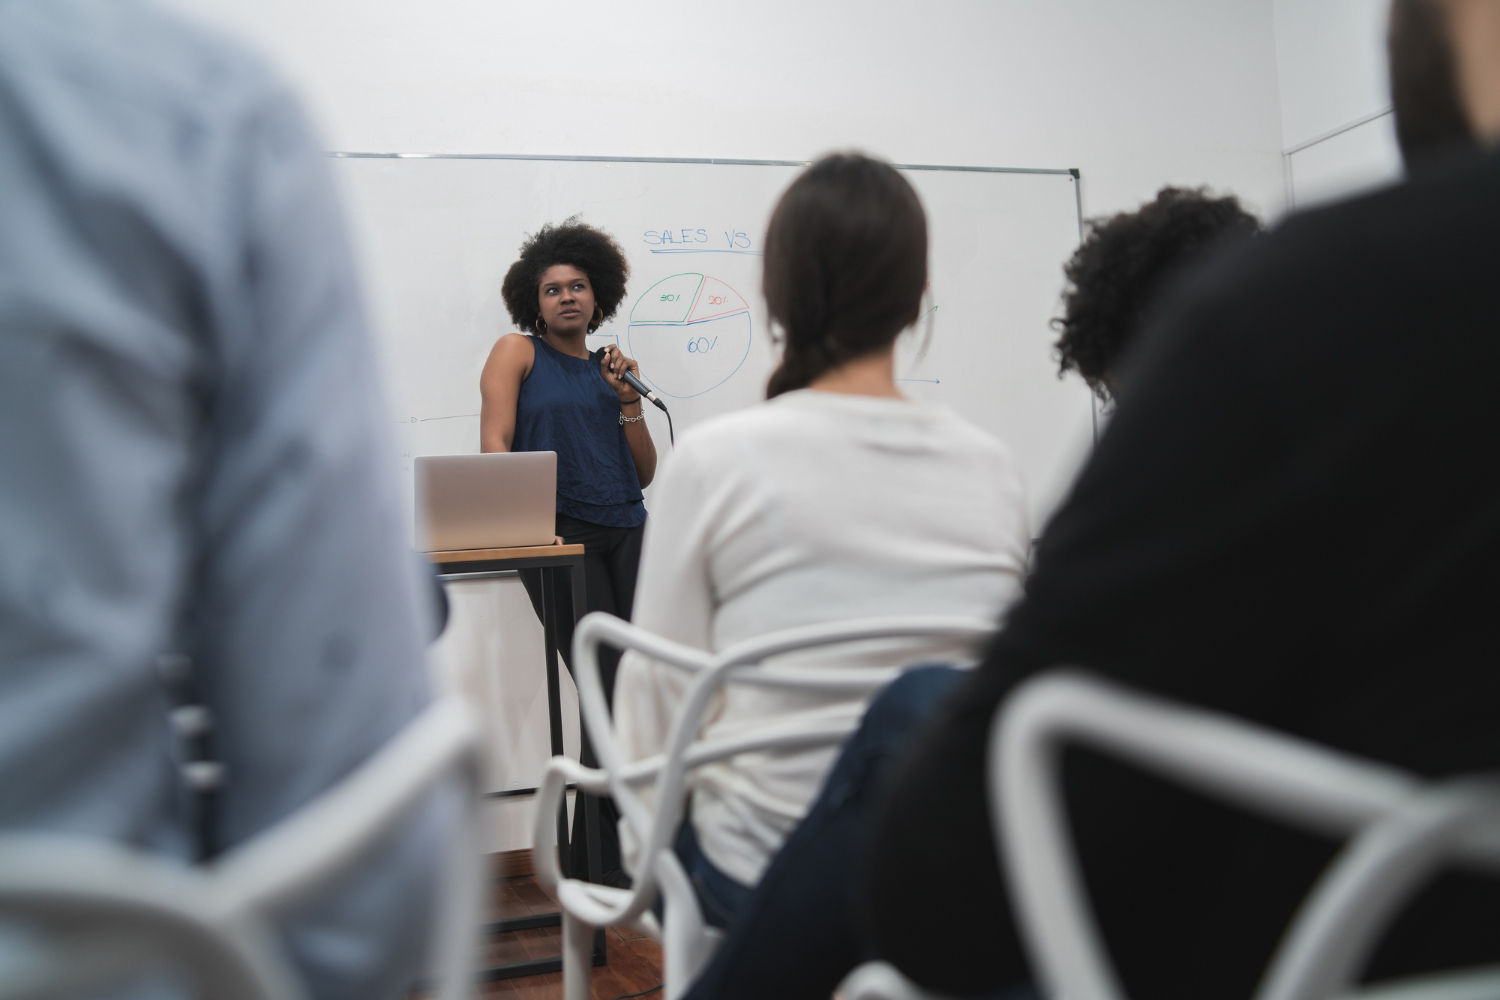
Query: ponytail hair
(844, 268)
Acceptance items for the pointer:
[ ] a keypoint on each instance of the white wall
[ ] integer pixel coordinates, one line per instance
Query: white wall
(1335, 98)
(1136, 95)
(1330, 56)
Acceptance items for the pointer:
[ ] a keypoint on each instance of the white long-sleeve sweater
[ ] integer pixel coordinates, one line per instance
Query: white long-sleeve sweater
(812, 507)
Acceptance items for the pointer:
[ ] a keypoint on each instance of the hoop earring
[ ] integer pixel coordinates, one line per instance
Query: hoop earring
(598, 319)
(541, 326)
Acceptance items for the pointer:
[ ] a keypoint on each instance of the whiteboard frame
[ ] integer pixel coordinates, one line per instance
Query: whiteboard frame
(361, 155)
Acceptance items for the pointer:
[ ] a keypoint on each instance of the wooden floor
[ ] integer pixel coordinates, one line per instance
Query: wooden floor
(634, 959)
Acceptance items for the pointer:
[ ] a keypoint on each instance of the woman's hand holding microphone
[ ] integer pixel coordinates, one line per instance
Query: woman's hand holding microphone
(613, 364)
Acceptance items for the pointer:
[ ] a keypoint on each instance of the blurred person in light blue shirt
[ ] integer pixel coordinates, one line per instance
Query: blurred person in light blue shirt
(192, 459)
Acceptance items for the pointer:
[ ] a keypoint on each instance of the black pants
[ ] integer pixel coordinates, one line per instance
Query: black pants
(611, 557)
(798, 932)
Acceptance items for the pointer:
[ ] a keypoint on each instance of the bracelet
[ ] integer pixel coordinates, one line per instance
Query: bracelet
(627, 402)
(632, 420)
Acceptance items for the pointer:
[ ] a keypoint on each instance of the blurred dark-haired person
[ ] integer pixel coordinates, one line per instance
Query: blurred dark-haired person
(1292, 519)
(543, 391)
(837, 498)
(1121, 267)
(798, 934)
(192, 463)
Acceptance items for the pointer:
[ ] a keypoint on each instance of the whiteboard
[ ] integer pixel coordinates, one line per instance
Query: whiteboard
(436, 234)
(1351, 161)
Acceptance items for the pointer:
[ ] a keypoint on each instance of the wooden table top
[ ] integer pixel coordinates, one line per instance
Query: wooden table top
(511, 552)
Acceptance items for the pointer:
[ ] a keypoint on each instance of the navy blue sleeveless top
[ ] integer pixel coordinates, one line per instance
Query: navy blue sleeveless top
(566, 406)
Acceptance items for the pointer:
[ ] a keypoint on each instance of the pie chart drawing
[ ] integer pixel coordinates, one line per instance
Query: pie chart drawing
(690, 332)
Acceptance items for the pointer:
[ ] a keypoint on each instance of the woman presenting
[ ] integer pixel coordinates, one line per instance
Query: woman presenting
(542, 391)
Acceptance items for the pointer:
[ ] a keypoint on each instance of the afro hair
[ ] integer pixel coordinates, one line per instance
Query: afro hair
(1122, 263)
(592, 251)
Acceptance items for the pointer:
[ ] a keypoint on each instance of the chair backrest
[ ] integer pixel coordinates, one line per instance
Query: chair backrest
(98, 914)
(655, 824)
(1402, 829)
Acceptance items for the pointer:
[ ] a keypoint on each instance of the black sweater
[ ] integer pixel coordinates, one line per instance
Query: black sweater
(1294, 517)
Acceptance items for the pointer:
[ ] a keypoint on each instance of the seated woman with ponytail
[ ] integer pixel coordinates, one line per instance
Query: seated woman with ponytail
(837, 498)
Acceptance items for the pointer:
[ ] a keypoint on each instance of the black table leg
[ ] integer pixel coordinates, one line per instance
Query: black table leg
(586, 752)
(590, 803)
(554, 710)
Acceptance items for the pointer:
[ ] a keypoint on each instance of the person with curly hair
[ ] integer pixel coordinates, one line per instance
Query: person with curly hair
(543, 391)
(1123, 262)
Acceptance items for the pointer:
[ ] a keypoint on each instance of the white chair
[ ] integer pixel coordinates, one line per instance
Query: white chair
(1400, 830)
(687, 942)
(98, 915)
(1400, 827)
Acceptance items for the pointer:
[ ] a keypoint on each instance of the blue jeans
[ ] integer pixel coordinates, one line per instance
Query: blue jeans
(719, 896)
(796, 933)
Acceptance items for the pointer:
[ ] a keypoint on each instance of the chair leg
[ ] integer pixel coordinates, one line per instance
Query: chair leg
(687, 944)
(457, 946)
(578, 957)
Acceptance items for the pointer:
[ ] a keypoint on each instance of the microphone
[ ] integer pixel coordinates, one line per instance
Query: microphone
(629, 379)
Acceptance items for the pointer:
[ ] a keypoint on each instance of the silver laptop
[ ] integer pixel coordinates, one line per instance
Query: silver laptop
(486, 501)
